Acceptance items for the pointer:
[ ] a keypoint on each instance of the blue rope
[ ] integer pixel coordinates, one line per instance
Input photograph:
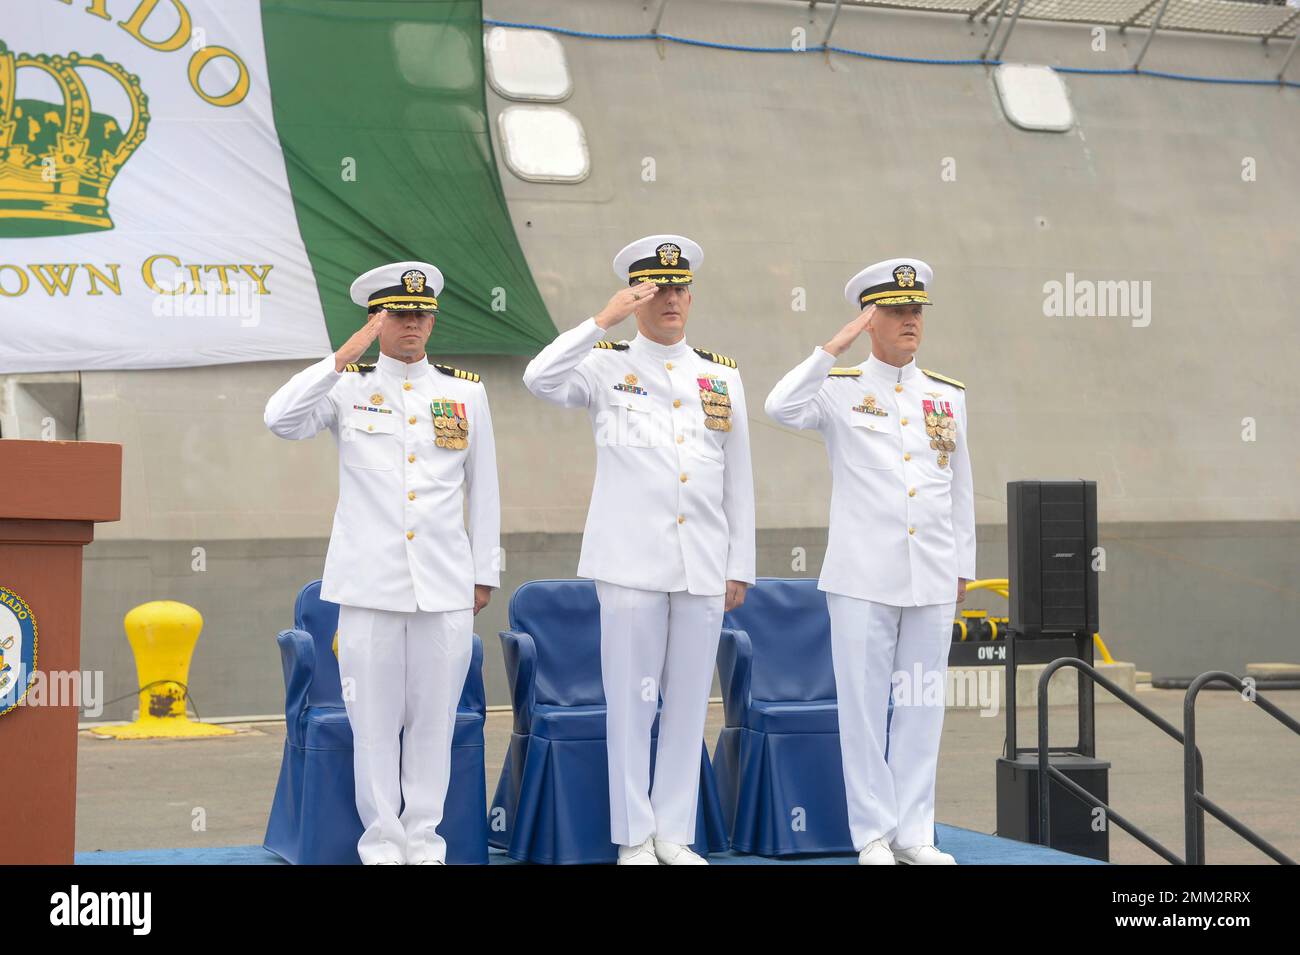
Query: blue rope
(930, 61)
(566, 32)
(913, 59)
(728, 46)
(1094, 71)
(1216, 79)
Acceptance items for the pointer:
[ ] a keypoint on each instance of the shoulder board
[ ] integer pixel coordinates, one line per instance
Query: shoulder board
(844, 373)
(715, 357)
(457, 373)
(617, 346)
(363, 369)
(944, 378)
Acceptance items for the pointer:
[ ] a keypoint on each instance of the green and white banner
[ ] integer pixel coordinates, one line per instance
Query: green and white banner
(191, 182)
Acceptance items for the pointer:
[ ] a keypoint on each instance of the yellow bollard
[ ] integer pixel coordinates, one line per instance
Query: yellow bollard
(162, 634)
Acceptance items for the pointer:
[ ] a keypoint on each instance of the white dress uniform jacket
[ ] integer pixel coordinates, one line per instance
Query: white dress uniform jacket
(902, 527)
(399, 540)
(673, 504)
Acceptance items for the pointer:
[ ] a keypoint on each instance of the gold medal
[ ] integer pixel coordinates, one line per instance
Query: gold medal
(950, 445)
(713, 424)
(440, 441)
(725, 425)
(376, 399)
(943, 459)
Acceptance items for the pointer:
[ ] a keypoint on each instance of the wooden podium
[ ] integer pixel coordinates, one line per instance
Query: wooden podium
(51, 495)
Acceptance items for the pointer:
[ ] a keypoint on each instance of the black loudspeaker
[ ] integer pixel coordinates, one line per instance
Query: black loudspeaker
(1052, 540)
(1075, 824)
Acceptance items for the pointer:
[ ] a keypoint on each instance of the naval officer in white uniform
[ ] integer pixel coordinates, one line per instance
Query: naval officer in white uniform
(669, 538)
(900, 551)
(415, 441)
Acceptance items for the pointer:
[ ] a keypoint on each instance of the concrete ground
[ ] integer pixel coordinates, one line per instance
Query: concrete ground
(217, 792)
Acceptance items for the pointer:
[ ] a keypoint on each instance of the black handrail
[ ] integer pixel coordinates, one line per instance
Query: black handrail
(1195, 802)
(1047, 772)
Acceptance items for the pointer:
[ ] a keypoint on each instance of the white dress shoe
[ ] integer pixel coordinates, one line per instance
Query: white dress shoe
(671, 853)
(923, 855)
(644, 854)
(877, 852)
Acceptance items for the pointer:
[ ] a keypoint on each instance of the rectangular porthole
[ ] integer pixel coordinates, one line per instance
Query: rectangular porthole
(544, 144)
(1034, 97)
(527, 65)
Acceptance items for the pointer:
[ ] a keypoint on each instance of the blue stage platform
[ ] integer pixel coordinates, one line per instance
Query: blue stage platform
(969, 848)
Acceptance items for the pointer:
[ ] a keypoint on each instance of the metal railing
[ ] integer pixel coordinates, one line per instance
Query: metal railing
(1263, 19)
(1195, 803)
(1048, 772)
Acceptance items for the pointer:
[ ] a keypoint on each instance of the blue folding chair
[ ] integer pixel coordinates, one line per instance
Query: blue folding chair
(779, 769)
(314, 815)
(552, 802)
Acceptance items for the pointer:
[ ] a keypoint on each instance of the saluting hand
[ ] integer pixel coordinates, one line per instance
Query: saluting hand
(356, 346)
(847, 335)
(624, 303)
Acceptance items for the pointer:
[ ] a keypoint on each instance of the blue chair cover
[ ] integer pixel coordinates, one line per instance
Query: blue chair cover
(314, 815)
(779, 769)
(552, 801)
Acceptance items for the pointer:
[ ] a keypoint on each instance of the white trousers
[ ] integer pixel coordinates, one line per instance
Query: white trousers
(402, 672)
(875, 646)
(654, 643)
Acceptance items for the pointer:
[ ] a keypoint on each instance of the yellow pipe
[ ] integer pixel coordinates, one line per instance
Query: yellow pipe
(1001, 586)
(1105, 654)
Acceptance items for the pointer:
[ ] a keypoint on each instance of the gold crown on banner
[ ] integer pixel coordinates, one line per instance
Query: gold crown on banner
(57, 160)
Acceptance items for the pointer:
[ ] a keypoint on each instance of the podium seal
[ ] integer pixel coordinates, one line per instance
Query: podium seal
(17, 649)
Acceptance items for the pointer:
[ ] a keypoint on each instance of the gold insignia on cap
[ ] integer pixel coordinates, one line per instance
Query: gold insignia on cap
(413, 280)
(905, 276)
(668, 253)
